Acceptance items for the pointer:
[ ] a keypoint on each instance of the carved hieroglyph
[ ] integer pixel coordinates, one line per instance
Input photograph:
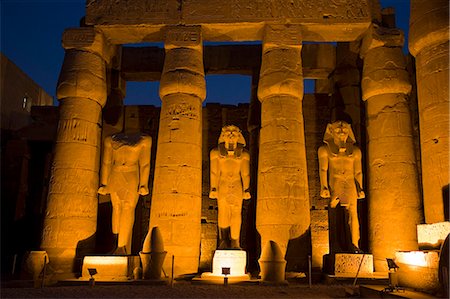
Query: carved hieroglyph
(230, 183)
(341, 177)
(283, 204)
(176, 198)
(124, 175)
(71, 215)
(429, 43)
(394, 205)
(230, 20)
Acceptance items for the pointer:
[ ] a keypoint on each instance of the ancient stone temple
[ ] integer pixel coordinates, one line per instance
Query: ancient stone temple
(363, 81)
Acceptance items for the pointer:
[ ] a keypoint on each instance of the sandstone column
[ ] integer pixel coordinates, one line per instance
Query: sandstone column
(283, 203)
(177, 188)
(393, 192)
(429, 43)
(71, 216)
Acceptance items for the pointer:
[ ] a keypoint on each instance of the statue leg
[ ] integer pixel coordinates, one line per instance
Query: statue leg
(236, 219)
(116, 207)
(224, 215)
(127, 221)
(353, 224)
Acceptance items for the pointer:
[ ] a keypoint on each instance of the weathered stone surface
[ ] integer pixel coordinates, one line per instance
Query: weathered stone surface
(418, 269)
(71, 217)
(283, 203)
(432, 235)
(83, 74)
(428, 24)
(394, 206)
(346, 263)
(428, 42)
(88, 39)
(432, 64)
(319, 237)
(177, 192)
(385, 72)
(232, 20)
(378, 36)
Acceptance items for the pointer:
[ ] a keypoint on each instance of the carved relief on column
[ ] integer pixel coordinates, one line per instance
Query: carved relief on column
(71, 216)
(283, 202)
(429, 43)
(394, 197)
(177, 191)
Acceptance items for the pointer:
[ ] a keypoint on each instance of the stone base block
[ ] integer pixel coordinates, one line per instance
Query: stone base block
(235, 260)
(418, 269)
(431, 236)
(110, 268)
(348, 264)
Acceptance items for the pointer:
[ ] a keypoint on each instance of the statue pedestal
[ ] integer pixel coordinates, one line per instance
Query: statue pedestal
(234, 260)
(110, 268)
(347, 264)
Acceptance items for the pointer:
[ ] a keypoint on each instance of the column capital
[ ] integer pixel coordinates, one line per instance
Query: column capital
(428, 24)
(377, 36)
(89, 39)
(183, 36)
(385, 72)
(282, 36)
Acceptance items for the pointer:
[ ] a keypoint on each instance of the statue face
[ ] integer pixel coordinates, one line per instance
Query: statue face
(340, 131)
(231, 137)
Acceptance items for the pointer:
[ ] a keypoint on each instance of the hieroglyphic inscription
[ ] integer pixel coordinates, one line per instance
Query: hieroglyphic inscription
(269, 10)
(182, 110)
(183, 36)
(230, 11)
(78, 37)
(131, 11)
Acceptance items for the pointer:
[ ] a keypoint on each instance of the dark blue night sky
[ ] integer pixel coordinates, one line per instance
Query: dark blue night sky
(31, 33)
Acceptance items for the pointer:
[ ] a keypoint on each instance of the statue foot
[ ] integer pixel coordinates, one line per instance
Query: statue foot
(235, 244)
(120, 251)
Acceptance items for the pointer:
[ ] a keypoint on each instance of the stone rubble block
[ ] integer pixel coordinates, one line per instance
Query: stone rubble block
(432, 235)
(348, 263)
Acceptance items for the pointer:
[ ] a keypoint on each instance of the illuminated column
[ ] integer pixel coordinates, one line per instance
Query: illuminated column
(177, 188)
(71, 215)
(283, 203)
(393, 192)
(429, 43)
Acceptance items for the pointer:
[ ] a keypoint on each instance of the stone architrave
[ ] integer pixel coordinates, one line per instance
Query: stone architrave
(177, 187)
(234, 19)
(283, 203)
(394, 198)
(429, 43)
(71, 216)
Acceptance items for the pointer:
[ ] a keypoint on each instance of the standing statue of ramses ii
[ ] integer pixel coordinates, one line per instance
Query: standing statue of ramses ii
(230, 183)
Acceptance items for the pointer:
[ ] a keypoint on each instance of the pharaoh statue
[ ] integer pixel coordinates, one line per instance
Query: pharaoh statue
(124, 175)
(341, 181)
(230, 182)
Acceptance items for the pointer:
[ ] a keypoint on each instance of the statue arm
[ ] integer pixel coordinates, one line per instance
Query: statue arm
(358, 172)
(144, 164)
(214, 173)
(323, 172)
(245, 174)
(106, 166)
